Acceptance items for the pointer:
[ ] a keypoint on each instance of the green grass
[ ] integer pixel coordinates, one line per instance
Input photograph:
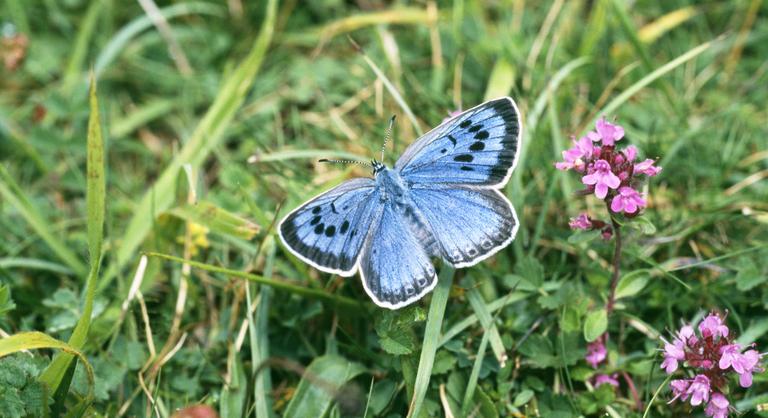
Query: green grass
(223, 315)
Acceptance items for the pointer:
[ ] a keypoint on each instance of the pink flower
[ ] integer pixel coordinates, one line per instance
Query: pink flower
(679, 389)
(646, 167)
(596, 353)
(574, 157)
(744, 365)
(609, 132)
(687, 336)
(631, 153)
(729, 355)
(718, 406)
(673, 352)
(602, 379)
(712, 326)
(628, 200)
(602, 178)
(593, 136)
(580, 222)
(699, 390)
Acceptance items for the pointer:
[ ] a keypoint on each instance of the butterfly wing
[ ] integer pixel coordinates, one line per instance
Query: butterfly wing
(394, 266)
(328, 231)
(478, 147)
(469, 223)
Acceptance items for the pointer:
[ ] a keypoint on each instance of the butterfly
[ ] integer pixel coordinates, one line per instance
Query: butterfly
(442, 199)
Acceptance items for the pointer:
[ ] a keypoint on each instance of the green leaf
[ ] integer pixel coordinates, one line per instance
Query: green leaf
(37, 340)
(395, 331)
(595, 325)
(95, 203)
(642, 224)
(531, 270)
(397, 344)
(445, 361)
(322, 381)
(570, 320)
(523, 397)
(6, 303)
(632, 283)
(748, 276)
(216, 219)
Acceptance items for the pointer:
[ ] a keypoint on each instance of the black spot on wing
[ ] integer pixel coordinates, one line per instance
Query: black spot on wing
(330, 231)
(464, 158)
(482, 135)
(313, 253)
(465, 124)
(475, 128)
(316, 210)
(344, 227)
(315, 220)
(319, 229)
(452, 139)
(467, 168)
(477, 146)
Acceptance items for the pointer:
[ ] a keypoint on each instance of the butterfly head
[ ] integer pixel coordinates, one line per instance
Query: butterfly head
(377, 166)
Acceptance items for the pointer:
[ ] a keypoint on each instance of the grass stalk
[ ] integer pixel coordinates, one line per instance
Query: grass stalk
(431, 339)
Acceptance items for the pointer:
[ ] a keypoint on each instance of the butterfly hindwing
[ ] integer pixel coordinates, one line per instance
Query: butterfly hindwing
(477, 147)
(329, 230)
(468, 223)
(394, 266)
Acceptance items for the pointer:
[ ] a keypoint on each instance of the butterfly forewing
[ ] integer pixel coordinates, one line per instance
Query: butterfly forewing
(328, 231)
(395, 267)
(477, 147)
(469, 224)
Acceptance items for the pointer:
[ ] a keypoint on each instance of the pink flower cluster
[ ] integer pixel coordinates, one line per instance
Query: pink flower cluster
(713, 356)
(611, 174)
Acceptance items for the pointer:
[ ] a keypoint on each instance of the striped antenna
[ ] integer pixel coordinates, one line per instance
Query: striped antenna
(387, 136)
(365, 163)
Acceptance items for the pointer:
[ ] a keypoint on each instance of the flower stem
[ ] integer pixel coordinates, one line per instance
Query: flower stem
(616, 264)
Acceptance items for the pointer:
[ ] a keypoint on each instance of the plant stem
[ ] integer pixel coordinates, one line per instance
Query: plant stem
(616, 265)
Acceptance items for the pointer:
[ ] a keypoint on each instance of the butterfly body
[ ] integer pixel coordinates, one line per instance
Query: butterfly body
(440, 200)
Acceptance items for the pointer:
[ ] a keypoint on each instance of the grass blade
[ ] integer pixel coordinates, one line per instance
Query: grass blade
(216, 219)
(473, 376)
(481, 310)
(208, 134)
(431, 338)
(118, 43)
(650, 78)
(259, 333)
(74, 70)
(339, 301)
(95, 203)
(15, 196)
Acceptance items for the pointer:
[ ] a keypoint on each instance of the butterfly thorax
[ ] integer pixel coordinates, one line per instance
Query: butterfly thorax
(392, 187)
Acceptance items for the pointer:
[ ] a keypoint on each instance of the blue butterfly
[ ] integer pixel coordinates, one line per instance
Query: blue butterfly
(442, 199)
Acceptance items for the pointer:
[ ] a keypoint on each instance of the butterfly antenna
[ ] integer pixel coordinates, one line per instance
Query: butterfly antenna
(365, 163)
(387, 136)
